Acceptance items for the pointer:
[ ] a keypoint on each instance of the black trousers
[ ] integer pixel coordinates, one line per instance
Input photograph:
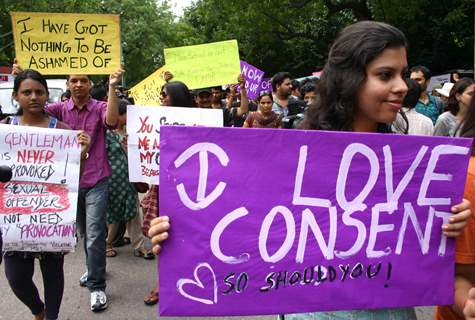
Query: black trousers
(19, 269)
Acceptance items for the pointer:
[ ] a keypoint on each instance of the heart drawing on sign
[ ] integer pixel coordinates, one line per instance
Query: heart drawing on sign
(197, 282)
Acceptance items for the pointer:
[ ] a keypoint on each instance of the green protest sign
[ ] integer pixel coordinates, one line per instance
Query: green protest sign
(204, 65)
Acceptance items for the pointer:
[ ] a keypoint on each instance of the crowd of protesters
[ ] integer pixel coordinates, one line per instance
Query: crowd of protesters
(365, 86)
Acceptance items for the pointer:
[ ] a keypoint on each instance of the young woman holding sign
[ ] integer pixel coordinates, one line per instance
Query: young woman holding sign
(30, 90)
(361, 90)
(176, 94)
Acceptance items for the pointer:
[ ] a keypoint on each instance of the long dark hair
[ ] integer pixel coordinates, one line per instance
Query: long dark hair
(179, 94)
(264, 94)
(458, 88)
(410, 100)
(28, 74)
(345, 72)
(467, 126)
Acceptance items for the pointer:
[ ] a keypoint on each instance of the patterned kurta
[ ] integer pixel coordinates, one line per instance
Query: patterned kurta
(123, 197)
(149, 205)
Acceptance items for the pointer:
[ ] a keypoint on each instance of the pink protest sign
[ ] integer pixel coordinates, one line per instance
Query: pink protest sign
(286, 221)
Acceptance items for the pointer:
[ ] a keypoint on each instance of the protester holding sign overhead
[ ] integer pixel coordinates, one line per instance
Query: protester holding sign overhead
(239, 110)
(95, 117)
(253, 78)
(361, 90)
(31, 92)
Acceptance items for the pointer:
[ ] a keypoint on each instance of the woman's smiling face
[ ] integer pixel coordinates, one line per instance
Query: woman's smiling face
(380, 97)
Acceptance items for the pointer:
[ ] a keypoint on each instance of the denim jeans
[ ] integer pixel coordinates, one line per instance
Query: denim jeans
(91, 224)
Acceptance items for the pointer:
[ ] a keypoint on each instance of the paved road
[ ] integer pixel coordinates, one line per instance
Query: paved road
(128, 278)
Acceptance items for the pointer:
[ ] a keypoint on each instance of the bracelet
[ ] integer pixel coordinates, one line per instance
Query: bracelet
(86, 156)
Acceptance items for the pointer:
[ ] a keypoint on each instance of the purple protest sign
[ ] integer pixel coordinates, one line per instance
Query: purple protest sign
(253, 78)
(265, 85)
(284, 221)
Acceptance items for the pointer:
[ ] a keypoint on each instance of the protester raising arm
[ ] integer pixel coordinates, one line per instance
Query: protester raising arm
(167, 76)
(244, 106)
(231, 96)
(244, 103)
(16, 69)
(112, 113)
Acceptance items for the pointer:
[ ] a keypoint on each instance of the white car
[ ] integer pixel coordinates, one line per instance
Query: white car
(56, 87)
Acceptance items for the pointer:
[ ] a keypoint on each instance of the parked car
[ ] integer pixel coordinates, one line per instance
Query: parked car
(9, 106)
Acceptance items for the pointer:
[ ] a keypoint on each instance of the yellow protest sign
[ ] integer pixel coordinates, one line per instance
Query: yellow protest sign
(147, 91)
(204, 65)
(67, 43)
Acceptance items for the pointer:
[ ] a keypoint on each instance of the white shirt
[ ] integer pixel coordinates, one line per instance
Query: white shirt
(446, 125)
(419, 124)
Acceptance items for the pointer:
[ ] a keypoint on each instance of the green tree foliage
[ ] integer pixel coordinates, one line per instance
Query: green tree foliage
(290, 35)
(440, 33)
(294, 35)
(272, 35)
(146, 29)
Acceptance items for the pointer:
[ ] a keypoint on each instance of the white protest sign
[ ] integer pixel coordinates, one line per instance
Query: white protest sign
(143, 129)
(438, 80)
(4, 77)
(38, 207)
